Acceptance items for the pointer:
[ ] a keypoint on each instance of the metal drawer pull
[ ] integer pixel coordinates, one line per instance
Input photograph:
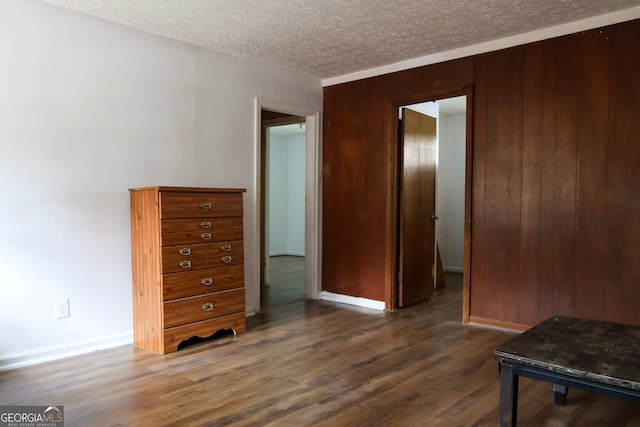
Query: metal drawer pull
(226, 258)
(226, 247)
(206, 236)
(208, 306)
(185, 264)
(184, 251)
(205, 224)
(205, 205)
(207, 281)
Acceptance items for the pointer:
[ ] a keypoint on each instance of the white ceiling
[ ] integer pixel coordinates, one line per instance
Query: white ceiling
(329, 38)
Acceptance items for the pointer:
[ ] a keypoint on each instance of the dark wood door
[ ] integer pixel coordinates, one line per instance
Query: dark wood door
(417, 207)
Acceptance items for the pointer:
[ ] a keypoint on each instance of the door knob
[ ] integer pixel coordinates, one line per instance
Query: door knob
(434, 217)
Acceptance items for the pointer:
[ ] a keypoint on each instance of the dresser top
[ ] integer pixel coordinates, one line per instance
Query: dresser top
(190, 189)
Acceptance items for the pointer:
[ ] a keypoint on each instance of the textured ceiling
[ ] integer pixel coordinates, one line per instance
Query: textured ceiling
(328, 38)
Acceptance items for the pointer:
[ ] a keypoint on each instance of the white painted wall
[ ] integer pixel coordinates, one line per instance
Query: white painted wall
(89, 109)
(277, 194)
(296, 196)
(286, 195)
(450, 191)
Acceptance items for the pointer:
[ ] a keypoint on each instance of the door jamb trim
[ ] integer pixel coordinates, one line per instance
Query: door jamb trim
(313, 192)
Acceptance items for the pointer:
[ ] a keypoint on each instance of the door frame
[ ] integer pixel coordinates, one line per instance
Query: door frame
(313, 193)
(392, 291)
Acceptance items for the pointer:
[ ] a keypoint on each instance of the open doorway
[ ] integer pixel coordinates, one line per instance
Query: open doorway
(270, 112)
(283, 237)
(448, 217)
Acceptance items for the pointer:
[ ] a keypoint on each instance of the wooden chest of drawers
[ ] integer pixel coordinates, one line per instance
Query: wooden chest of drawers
(188, 264)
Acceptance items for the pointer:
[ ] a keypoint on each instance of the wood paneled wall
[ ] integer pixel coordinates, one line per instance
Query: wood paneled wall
(360, 171)
(555, 182)
(357, 176)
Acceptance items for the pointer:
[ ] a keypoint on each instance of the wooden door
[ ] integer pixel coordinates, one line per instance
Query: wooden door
(418, 145)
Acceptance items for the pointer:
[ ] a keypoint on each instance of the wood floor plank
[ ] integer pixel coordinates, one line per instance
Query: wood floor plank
(309, 363)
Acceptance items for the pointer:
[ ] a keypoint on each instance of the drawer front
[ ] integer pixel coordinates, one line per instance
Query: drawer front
(180, 285)
(176, 265)
(221, 228)
(194, 309)
(184, 252)
(225, 253)
(190, 233)
(170, 239)
(200, 205)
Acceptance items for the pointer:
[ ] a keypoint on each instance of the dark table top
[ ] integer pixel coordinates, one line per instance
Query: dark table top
(599, 351)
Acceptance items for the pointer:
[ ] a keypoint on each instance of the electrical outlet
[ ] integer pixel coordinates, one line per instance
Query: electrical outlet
(61, 308)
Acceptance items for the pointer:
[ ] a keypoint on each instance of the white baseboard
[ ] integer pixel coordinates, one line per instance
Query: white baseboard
(357, 301)
(453, 269)
(48, 354)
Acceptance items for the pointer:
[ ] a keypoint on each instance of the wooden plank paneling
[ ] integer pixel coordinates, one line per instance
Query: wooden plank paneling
(580, 158)
(623, 181)
(497, 173)
(531, 185)
(355, 189)
(547, 183)
(514, 286)
(479, 184)
(431, 82)
(591, 191)
(498, 124)
(565, 176)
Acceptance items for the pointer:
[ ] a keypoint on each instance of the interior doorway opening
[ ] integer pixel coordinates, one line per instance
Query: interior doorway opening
(452, 134)
(283, 224)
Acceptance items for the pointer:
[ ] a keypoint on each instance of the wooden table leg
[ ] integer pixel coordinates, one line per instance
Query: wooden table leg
(560, 394)
(508, 396)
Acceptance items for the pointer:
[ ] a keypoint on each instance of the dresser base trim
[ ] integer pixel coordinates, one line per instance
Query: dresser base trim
(204, 329)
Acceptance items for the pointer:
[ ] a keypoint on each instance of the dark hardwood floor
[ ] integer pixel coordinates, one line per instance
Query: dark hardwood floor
(309, 363)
